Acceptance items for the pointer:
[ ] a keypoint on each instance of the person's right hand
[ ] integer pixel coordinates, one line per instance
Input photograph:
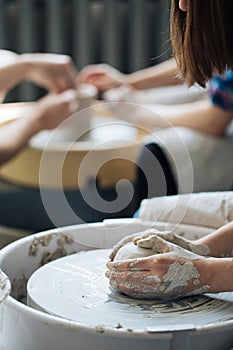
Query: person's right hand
(53, 109)
(170, 272)
(103, 76)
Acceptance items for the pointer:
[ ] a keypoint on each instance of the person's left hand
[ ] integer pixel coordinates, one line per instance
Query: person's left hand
(172, 272)
(147, 240)
(54, 72)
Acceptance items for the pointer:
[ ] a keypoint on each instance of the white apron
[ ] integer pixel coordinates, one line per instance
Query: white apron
(212, 209)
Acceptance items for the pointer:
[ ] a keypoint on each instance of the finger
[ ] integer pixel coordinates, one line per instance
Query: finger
(141, 235)
(87, 76)
(136, 239)
(167, 235)
(139, 264)
(156, 243)
(73, 73)
(67, 75)
(112, 254)
(150, 232)
(105, 84)
(62, 84)
(134, 277)
(98, 81)
(115, 250)
(121, 265)
(70, 97)
(114, 94)
(147, 243)
(176, 239)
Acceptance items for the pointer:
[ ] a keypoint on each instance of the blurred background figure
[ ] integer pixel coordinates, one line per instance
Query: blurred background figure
(57, 74)
(127, 34)
(172, 112)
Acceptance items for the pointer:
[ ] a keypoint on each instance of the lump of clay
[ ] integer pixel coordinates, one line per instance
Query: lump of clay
(132, 251)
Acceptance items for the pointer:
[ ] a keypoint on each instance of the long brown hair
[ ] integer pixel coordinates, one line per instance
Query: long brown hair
(202, 39)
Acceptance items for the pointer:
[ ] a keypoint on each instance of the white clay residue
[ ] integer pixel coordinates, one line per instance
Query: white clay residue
(177, 239)
(202, 249)
(178, 275)
(196, 282)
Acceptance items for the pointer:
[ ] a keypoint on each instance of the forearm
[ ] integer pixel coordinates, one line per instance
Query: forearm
(162, 74)
(201, 116)
(12, 74)
(215, 274)
(15, 135)
(219, 274)
(220, 242)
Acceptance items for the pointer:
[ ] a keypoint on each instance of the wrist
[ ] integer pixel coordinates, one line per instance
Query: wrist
(121, 79)
(34, 121)
(219, 272)
(133, 80)
(26, 65)
(216, 249)
(201, 248)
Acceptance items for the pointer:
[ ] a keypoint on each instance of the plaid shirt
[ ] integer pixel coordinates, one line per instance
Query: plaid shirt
(221, 90)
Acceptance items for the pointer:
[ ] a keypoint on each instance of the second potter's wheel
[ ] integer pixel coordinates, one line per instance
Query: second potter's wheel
(75, 288)
(108, 152)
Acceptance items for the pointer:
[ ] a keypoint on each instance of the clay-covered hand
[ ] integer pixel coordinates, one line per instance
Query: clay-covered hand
(172, 272)
(149, 239)
(103, 76)
(54, 72)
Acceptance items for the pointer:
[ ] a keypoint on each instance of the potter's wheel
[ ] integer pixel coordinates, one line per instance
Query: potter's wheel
(102, 129)
(75, 288)
(107, 153)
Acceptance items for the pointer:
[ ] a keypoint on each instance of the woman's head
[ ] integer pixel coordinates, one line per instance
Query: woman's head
(202, 38)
